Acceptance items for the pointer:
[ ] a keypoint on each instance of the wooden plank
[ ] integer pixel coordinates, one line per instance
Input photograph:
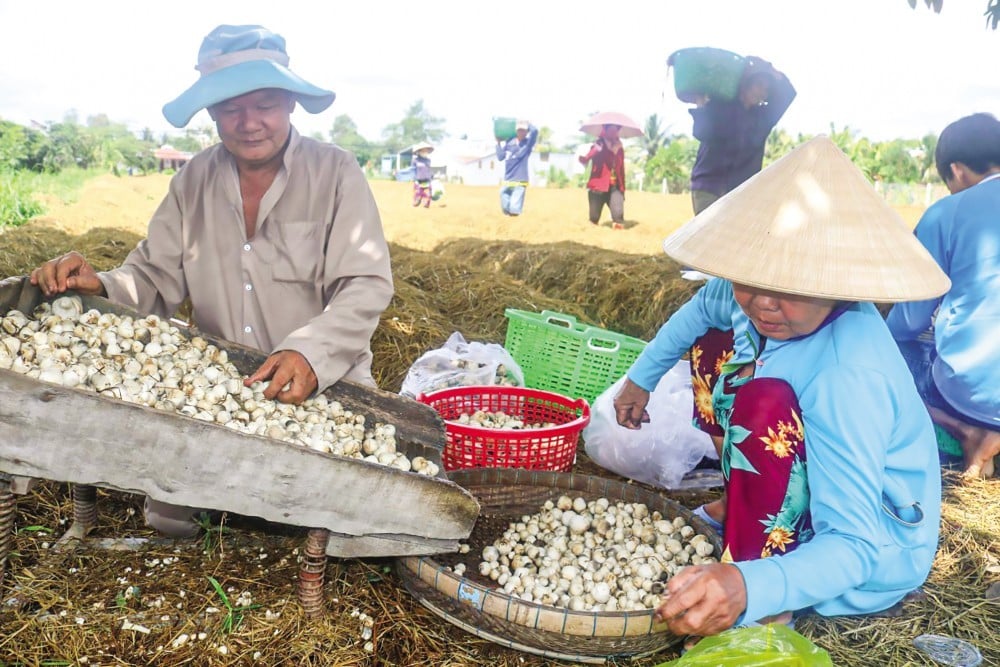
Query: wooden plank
(71, 435)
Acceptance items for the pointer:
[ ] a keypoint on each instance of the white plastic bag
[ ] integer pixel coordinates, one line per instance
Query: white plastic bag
(662, 451)
(459, 364)
(437, 189)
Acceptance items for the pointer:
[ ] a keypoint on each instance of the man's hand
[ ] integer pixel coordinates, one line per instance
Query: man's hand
(630, 405)
(703, 599)
(69, 271)
(292, 378)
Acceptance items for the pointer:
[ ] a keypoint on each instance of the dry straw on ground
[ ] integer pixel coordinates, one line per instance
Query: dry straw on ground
(630, 294)
(62, 608)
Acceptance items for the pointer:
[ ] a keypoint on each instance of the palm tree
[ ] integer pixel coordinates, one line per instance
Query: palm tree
(654, 136)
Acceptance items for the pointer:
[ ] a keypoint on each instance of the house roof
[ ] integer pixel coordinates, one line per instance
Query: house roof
(167, 152)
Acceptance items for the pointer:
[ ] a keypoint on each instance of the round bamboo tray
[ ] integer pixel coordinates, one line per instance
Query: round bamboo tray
(475, 604)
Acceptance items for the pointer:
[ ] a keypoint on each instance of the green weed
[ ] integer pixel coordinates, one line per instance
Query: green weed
(234, 615)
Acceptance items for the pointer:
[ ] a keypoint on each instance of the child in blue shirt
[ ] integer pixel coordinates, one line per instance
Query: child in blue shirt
(960, 374)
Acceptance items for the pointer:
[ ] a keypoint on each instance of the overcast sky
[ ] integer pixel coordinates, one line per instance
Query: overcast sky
(876, 66)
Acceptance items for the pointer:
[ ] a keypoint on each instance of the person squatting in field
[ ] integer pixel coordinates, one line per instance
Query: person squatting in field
(274, 237)
(951, 342)
(828, 457)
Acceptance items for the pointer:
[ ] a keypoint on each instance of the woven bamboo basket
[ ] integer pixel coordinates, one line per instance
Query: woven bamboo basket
(475, 604)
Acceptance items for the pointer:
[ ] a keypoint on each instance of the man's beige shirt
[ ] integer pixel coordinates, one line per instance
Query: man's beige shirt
(314, 278)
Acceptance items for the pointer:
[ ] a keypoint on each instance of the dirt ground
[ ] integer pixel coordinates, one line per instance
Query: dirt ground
(464, 211)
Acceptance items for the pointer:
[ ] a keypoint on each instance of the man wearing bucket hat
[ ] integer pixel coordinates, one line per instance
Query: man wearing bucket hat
(515, 153)
(832, 486)
(957, 373)
(275, 238)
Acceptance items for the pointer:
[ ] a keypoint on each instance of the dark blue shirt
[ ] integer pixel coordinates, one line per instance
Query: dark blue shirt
(732, 138)
(422, 168)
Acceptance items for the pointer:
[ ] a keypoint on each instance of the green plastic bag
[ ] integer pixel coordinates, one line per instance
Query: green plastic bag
(773, 645)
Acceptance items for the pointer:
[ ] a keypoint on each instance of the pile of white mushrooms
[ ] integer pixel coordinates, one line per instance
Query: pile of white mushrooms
(150, 362)
(497, 420)
(592, 556)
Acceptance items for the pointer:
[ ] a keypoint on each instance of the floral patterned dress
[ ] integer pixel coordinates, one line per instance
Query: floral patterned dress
(763, 449)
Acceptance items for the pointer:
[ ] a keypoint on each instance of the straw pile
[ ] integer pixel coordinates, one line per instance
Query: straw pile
(72, 607)
(629, 294)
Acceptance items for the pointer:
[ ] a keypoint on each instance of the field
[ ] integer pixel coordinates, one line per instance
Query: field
(550, 216)
(457, 265)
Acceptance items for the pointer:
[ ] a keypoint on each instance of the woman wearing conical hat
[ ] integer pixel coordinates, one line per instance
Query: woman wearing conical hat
(833, 491)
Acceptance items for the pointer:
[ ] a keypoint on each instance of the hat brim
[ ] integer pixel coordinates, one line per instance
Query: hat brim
(810, 224)
(241, 79)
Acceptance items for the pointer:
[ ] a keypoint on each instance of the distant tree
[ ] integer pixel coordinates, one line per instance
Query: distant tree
(22, 147)
(67, 146)
(928, 170)
(778, 144)
(898, 161)
(673, 162)
(137, 153)
(654, 137)
(418, 125)
(992, 12)
(544, 143)
(345, 134)
(187, 142)
(207, 136)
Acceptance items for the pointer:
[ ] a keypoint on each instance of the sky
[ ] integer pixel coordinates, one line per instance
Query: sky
(878, 67)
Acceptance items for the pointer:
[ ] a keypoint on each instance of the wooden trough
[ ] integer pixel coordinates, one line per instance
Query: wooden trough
(354, 508)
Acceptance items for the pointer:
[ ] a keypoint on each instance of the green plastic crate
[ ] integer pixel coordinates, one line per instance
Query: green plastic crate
(560, 355)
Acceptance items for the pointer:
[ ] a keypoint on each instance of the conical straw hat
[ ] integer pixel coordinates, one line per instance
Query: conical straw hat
(810, 224)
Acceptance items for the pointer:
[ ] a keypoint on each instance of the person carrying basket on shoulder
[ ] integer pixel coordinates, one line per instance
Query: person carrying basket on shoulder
(515, 153)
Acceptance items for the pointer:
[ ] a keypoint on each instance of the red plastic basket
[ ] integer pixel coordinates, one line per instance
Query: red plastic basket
(550, 448)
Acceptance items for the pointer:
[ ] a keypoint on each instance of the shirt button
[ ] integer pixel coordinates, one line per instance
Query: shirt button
(246, 246)
(248, 287)
(247, 329)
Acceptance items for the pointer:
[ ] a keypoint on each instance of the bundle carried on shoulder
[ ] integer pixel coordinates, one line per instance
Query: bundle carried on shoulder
(706, 71)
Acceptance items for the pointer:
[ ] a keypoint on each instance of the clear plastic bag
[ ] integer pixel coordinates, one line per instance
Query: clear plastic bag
(460, 364)
(662, 451)
(950, 651)
(773, 645)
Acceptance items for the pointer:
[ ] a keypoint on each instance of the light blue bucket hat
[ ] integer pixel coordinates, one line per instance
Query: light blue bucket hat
(238, 59)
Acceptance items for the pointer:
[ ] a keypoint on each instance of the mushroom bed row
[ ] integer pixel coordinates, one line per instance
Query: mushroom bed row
(148, 361)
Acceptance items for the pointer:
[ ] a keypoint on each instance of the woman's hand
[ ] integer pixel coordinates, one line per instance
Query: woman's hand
(703, 599)
(292, 377)
(630, 405)
(69, 271)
